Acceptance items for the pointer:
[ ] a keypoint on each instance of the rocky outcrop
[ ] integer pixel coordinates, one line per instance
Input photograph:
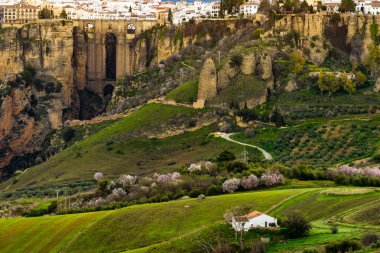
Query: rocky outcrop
(248, 65)
(291, 85)
(318, 52)
(377, 85)
(23, 128)
(207, 81)
(225, 75)
(307, 25)
(265, 66)
(29, 112)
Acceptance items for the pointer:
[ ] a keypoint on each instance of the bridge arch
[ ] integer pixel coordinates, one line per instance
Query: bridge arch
(110, 44)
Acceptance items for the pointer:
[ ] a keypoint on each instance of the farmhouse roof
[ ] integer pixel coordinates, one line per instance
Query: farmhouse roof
(249, 216)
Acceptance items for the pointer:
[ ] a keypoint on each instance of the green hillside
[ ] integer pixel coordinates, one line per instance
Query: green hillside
(123, 147)
(321, 141)
(173, 226)
(185, 93)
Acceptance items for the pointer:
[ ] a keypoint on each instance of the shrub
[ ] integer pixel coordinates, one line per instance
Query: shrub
(236, 167)
(310, 250)
(334, 229)
(297, 225)
(256, 33)
(68, 133)
(195, 193)
(369, 239)
(347, 245)
(226, 156)
(213, 190)
(236, 60)
(39, 85)
(50, 88)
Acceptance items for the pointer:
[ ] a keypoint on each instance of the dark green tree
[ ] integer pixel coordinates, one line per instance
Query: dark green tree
(264, 6)
(297, 225)
(231, 6)
(226, 156)
(45, 13)
(170, 16)
(63, 14)
(347, 6)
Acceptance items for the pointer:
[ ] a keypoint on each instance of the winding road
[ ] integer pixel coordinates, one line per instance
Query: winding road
(227, 137)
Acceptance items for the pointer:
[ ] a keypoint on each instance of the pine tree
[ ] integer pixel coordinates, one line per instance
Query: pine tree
(170, 16)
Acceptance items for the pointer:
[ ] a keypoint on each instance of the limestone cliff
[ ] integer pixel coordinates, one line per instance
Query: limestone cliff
(37, 98)
(351, 33)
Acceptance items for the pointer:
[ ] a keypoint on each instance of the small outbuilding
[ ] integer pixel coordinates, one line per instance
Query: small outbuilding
(253, 219)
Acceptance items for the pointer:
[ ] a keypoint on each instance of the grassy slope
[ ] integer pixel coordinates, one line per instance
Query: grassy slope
(185, 93)
(127, 228)
(320, 208)
(173, 226)
(242, 88)
(113, 152)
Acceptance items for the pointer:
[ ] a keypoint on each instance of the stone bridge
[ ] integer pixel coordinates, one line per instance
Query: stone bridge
(109, 50)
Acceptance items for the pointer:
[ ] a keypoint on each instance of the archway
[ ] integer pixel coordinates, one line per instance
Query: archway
(111, 56)
(108, 90)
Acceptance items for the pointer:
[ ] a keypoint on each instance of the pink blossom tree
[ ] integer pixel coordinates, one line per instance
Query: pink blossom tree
(250, 182)
(231, 185)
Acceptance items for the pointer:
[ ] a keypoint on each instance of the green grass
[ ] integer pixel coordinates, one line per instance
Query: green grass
(186, 93)
(174, 226)
(114, 150)
(242, 88)
(127, 228)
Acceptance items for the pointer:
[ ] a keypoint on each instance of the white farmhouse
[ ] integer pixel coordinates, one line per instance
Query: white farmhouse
(253, 219)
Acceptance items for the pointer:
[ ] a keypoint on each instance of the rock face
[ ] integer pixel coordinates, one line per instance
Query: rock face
(377, 86)
(225, 75)
(207, 81)
(307, 25)
(265, 66)
(291, 85)
(249, 64)
(21, 131)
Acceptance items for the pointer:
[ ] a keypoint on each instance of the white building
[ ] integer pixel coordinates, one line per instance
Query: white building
(249, 9)
(368, 6)
(254, 219)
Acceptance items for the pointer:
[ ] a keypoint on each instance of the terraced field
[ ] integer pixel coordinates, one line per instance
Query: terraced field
(174, 226)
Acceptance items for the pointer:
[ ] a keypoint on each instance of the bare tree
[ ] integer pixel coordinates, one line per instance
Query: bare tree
(231, 216)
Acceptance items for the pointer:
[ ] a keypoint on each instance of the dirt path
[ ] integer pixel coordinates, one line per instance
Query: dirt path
(228, 138)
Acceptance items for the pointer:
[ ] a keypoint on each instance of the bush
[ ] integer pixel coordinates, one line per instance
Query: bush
(334, 229)
(195, 193)
(226, 156)
(68, 133)
(347, 245)
(50, 88)
(256, 33)
(369, 239)
(236, 60)
(310, 250)
(213, 190)
(39, 85)
(236, 167)
(297, 225)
